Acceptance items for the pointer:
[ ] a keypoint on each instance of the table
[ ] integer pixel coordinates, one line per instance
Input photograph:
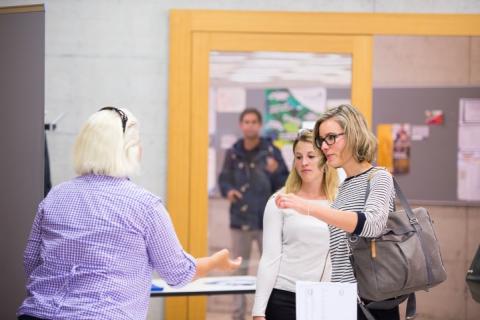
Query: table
(206, 286)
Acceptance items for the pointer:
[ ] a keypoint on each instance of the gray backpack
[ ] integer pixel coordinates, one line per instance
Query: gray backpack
(404, 259)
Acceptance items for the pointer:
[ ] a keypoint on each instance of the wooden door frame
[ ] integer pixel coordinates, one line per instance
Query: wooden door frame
(193, 33)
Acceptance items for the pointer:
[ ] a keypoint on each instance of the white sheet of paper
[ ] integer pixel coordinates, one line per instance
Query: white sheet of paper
(326, 300)
(420, 132)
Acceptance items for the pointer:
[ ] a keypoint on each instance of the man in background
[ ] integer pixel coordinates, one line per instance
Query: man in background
(253, 169)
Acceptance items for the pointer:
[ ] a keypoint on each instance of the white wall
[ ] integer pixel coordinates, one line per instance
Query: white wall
(115, 52)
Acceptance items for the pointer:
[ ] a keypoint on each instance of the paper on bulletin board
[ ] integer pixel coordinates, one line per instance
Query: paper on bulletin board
(468, 156)
(401, 147)
(420, 132)
(468, 176)
(470, 111)
(394, 143)
(434, 117)
(326, 300)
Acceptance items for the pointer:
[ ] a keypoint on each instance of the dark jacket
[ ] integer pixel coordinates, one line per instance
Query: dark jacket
(245, 171)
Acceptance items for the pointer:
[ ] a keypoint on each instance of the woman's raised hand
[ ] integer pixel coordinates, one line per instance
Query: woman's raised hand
(291, 201)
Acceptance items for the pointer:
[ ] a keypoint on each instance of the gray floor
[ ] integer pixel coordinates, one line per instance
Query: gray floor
(220, 307)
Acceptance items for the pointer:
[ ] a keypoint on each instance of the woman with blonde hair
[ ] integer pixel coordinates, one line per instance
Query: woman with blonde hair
(295, 246)
(364, 198)
(97, 238)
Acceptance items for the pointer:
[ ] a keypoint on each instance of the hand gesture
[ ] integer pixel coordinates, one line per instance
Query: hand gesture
(233, 195)
(272, 165)
(291, 201)
(223, 262)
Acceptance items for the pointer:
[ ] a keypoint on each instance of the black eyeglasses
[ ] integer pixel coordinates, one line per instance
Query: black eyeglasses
(329, 139)
(122, 115)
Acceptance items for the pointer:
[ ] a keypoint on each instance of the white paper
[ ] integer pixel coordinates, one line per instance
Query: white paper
(420, 132)
(206, 285)
(468, 156)
(469, 111)
(468, 187)
(326, 300)
(468, 138)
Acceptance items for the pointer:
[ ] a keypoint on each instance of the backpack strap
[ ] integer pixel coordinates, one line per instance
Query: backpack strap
(411, 309)
(364, 309)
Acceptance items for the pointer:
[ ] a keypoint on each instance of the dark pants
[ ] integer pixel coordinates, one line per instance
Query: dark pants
(281, 305)
(390, 314)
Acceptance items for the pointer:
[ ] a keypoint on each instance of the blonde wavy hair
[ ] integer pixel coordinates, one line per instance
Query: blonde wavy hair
(103, 148)
(329, 184)
(360, 140)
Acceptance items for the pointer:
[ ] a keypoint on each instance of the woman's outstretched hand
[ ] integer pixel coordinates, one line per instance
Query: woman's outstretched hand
(291, 201)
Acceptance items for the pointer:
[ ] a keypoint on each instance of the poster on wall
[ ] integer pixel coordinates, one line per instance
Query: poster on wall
(401, 148)
(288, 110)
(434, 117)
(394, 143)
(468, 155)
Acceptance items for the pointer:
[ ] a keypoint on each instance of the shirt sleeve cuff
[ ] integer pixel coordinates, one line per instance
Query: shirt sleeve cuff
(360, 223)
(189, 274)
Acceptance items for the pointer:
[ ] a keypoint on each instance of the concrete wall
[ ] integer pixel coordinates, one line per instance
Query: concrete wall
(457, 229)
(115, 52)
(426, 61)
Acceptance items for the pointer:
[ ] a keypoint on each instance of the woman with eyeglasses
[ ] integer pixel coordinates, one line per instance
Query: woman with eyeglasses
(295, 246)
(97, 238)
(345, 141)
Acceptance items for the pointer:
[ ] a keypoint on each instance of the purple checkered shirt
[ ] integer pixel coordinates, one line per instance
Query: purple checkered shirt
(93, 246)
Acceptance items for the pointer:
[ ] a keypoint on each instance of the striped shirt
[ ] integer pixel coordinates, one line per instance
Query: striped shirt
(93, 246)
(372, 215)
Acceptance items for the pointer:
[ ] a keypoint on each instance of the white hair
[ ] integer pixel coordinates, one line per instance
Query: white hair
(103, 148)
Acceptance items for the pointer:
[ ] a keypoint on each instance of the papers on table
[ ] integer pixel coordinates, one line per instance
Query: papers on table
(206, 286)
(326, 300)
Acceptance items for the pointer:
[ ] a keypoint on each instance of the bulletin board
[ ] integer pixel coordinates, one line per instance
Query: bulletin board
(432, 172)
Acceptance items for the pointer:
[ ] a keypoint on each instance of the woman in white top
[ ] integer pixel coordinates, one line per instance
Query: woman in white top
(365, 197)
(295, 246)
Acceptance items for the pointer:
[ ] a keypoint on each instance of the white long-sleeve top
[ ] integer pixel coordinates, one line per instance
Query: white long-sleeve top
(295, 248)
